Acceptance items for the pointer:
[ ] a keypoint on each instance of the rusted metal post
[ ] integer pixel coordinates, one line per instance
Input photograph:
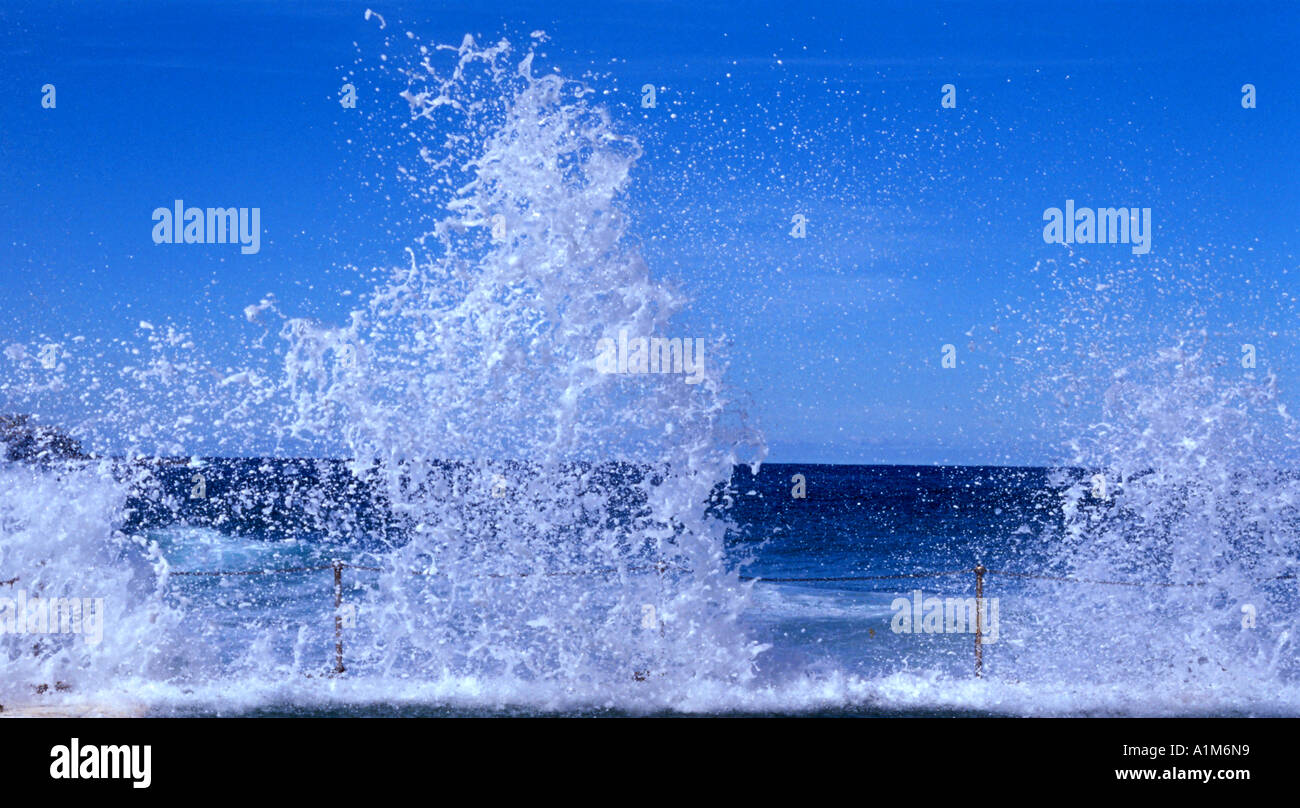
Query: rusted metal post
(979, 620)
(338, 617)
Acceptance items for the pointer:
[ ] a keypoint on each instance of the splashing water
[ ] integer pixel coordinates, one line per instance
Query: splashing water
(524, 529)
(1191, 493)
(548, 528)
(482, 351)
(66, 561)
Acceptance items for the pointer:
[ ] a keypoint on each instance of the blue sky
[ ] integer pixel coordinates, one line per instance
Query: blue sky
(924, 224)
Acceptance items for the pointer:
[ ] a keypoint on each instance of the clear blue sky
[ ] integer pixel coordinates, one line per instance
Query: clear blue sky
(924, 224)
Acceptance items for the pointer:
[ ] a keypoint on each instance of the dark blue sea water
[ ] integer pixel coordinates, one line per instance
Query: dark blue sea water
(865, 520)
(841, 520)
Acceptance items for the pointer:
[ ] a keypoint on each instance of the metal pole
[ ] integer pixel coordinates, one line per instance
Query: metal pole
(979, 620)
(338, 617)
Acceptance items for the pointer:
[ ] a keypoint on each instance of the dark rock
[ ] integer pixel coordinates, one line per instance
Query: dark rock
(25, 440)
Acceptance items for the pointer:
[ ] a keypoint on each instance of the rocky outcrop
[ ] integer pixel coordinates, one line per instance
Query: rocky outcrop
(23, 439)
